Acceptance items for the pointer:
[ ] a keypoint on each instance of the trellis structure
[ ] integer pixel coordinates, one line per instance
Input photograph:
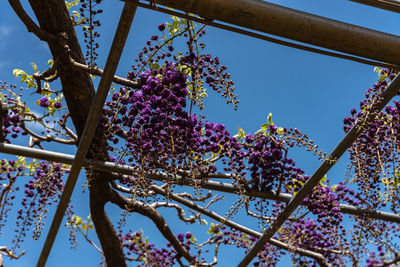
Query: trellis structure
(252, 16)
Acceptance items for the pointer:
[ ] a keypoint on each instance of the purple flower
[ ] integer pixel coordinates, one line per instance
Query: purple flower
(161, 27)
(44, 102)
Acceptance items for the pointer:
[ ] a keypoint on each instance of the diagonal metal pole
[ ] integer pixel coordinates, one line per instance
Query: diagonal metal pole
(334, 156)
(92, 120)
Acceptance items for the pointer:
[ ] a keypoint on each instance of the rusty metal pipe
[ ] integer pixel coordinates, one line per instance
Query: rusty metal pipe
(296, 25)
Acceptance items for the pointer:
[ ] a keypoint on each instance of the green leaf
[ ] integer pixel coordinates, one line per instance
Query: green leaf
(154, 66)
(269, 119)
(35, 67)
(59, 97)
(174, 27)
(31, 84)
(378, 70)
(265, 127)
(18, 72)
(385, 181)
(383, 77)
(84, 227)
(211, 229)
(71, 4)
(51, 110)
(240, 134)
(78, 220)
(21, 161)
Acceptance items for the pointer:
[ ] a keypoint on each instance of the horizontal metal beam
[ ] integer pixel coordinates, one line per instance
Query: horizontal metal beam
(212, 185)
(269, 38)
(390, 5)
(296, 25)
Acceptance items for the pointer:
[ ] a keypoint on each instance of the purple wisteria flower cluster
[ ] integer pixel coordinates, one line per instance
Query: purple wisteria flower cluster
(374, 166)
(9, 115)
(44, 189)
(9, 172)
(157, 133)
(203, 70)
(375, 154)
(160, 134)
(155, 130)
(140, 249)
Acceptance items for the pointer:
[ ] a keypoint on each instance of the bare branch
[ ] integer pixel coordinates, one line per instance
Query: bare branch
(30, 24)
(249, 212)
(4, 251)
(48, 75)
(192, 198)
(121, 188)
(99, 72)
(334, 251)
(180, 211)
(318, 257)
(390, 263)
(63, 125)
(155, 216)
(47, 138)
(215, 261)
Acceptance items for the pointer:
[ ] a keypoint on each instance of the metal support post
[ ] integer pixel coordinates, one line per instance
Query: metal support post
(114, 55)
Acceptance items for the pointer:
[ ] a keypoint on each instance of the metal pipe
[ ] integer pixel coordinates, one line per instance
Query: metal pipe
(296, 25)
(344, 208)
(212, 185)
(389, 5)
(269, 38)
(333, 157)
(92, 120)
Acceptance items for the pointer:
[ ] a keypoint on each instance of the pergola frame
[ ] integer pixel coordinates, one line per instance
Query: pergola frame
(362, 45)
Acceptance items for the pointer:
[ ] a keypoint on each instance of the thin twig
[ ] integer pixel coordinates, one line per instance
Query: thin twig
(148, 211)
(99, 72)
(318, 257)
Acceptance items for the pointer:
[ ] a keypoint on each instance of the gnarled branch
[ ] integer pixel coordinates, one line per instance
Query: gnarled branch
(317, 256)
(155, 216)
(30, 24)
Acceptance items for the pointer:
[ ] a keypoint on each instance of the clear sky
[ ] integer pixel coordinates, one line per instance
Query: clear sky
(309, 91)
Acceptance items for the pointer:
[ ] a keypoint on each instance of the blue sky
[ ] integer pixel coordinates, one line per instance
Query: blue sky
(309, 91)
